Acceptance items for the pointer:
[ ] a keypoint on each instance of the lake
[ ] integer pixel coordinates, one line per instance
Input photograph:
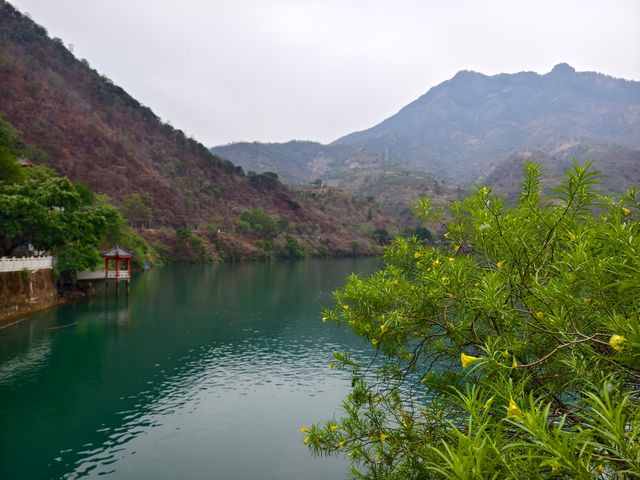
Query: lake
(203, 372)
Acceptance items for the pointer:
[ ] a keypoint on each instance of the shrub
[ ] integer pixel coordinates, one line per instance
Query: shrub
(294, 248)
(25, 273)
(510, 351)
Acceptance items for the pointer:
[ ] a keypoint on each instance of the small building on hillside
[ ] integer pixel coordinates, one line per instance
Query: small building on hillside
(25, 163)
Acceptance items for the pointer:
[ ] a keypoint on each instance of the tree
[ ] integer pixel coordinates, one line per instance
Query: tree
(136, 211)
(10, 149)
(381, 236)
(189, 247)
(510, 351)
(10, 170)
(51, 213)
(257, 222)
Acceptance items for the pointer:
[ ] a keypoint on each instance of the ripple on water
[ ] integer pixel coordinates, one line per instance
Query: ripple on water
(265, 370)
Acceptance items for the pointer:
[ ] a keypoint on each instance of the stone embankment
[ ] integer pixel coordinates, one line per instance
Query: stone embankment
(25, 289)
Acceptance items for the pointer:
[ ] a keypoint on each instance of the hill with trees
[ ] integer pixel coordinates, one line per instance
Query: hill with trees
(79, 123)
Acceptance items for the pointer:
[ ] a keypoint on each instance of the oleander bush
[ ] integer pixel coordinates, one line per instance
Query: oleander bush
(511, 350)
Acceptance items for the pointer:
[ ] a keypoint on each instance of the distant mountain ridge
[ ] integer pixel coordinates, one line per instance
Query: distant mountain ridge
(466, 126)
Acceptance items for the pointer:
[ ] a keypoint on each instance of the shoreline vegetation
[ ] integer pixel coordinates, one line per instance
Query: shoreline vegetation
(42, 211)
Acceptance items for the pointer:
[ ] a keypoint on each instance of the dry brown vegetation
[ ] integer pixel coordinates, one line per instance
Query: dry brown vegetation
(85, 127)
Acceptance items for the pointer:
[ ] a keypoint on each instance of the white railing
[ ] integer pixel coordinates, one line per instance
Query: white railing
(99, 274)
(14, 264)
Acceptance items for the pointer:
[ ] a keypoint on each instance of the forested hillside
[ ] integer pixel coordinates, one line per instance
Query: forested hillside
(78, 122)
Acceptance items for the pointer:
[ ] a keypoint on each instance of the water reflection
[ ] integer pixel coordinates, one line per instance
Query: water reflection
(205, 372)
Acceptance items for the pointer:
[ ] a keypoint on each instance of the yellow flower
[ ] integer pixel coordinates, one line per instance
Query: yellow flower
(306, 440)
(341, 443)
(331, 366)
(625, 211)
(600, 469)
(451, 259)
(513, 410)
(345, 307)
(500, 264)
(436, 263)
(384, 327)
(514, 364)
(304, 429)
(571, 235)
(447, 234)
(325, 319)
(467, 360)
(505, 354)
(456, 248)
(616, 342)
(375, 342)
(539, 315)
(417, 255)
(383, 437)
(333, 428)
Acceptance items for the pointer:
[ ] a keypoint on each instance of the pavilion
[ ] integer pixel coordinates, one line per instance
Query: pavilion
(119, 256)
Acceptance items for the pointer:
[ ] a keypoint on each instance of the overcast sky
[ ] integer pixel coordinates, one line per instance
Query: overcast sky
(276, 70)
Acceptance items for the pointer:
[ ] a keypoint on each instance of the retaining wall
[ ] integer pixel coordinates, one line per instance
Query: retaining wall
(25, 292)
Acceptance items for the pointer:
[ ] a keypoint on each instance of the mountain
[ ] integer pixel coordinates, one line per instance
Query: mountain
(463, 126)
(467, 126)
(79, 123)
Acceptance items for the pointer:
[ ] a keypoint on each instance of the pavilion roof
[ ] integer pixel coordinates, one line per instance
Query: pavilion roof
(117, 252)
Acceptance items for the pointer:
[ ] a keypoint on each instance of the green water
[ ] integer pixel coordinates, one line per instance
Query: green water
(204, 372)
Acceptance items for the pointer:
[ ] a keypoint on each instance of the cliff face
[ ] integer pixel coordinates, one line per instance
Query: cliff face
(22, 293)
